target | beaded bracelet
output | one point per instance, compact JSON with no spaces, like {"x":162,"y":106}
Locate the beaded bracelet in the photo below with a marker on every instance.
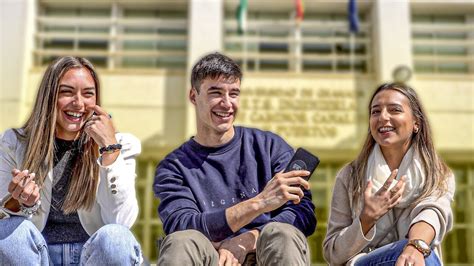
{"x":30,"y":210}
{"x":111,"y":148}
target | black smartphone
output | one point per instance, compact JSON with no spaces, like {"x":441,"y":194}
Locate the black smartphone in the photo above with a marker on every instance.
{"x":303,"y":160}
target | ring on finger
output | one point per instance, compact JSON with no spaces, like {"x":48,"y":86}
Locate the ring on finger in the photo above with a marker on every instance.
{"x":410,"y":263}
{"x":24,"y":181}
{"x":22,"y":197}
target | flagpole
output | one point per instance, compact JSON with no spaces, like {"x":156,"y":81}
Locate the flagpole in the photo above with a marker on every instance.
{"x":298,"y":47}
{"x":351,"y":49}
{"x":241,"y":29}
{"x":245,"y":47}
{"x":298,"y":42}
{"x":353,"y":29}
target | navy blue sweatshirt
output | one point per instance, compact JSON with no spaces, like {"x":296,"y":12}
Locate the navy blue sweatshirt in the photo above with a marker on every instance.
{"x":196,"y":184}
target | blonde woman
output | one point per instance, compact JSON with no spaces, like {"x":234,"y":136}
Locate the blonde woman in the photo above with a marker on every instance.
{"x":67,"y":179}
{"x":392,"y":205}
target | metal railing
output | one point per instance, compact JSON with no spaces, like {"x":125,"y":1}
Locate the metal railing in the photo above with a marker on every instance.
{"x":308,"y":46}
{"x":113,"y":41}
{"x":443,"y":47}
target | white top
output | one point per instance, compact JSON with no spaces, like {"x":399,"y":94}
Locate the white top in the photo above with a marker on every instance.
{"x":116,"y":205}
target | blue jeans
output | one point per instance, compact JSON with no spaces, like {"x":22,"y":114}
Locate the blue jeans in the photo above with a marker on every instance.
{"x":22,"y":244}
{"x":388,"y":255}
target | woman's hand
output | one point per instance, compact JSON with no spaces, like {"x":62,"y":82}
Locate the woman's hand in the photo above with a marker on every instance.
{"x":410,"y":257}
{"x":102,"y":130}
{"x":23,"y":188}
{"x":100,"y":127}
{"x":378,"y":204}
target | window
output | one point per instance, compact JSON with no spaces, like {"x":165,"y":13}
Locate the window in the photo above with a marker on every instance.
{"x":114,"y":34}
{"x":443,"y":44}
{"x":273,"y":41}
{"x":458,"y":245}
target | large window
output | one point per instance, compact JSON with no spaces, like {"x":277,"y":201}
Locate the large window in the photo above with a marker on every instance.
{"x":275,"y":41}
{"x":458,"y":246}
{"x":443,"y":43}
{"x":114,"y":34}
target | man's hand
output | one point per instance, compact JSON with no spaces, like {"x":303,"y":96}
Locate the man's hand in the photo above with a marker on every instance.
{"x":226,"y":258}
{"x":238,"y":247}
{"x":378,"y":204}
{"x":278,"y":191}
{"x":282,"y":188}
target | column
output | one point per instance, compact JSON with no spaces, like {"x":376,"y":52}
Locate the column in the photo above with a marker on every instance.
{"x":206,"y":22}
{"x":391,"y":37}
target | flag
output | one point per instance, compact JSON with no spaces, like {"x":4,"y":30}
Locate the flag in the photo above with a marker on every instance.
{"x":353,"y":17}
{"x":242,"y":16}
{"x":299,"y":10}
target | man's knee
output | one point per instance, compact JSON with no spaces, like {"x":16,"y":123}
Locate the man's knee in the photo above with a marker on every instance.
{"x":185,"y":238}
{"x":282,"y":231}
{"x":281,"y":236}
{"x":282,"y":244}
{"x":188,"y":247}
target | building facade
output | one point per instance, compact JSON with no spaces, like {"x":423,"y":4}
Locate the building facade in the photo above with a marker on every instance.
{"x":308,"y":80}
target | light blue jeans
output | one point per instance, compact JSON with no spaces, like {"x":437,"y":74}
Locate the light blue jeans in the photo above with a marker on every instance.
{"x":388,"y":255}
{"x":22,"y":244}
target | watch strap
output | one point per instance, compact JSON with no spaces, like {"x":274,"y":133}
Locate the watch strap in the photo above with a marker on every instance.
{"x":417,"y":243}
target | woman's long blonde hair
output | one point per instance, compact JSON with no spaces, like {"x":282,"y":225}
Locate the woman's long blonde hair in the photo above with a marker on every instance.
{"x":436,"y":170}
{"x":38,"y":133}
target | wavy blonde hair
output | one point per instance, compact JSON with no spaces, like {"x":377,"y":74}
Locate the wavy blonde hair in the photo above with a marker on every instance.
{"x":436,"y":170}
{"x":39,"y":132}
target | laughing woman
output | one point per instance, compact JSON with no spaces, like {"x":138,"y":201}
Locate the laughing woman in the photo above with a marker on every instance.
{"x":392,"y":204}
{"x":67,"y":179}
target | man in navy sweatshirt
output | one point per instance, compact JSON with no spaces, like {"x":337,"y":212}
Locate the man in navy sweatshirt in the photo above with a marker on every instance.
{"x":223,"y":192}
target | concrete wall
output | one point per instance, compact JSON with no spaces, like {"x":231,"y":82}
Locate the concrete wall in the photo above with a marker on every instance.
{"x":449,"y":103}
{"x":148,"y":104}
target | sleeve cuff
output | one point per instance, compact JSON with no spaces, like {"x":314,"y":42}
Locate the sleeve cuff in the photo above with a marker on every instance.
{"x":370,"y":235}
{"x":430,"y":217}
{"x":216,"y":225}
{"x":110,"y":166}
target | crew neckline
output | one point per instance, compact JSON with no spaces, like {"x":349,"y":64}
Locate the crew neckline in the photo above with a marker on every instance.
{"x":219,"y":149}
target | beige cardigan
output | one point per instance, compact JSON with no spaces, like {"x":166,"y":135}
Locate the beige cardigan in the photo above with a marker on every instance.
{"x":344,"y":238}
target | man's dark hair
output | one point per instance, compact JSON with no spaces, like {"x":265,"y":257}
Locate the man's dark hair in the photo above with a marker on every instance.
{"x":213,"y":66}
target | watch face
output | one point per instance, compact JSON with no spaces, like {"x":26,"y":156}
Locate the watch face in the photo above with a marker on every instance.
{"x":422,"y":244}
